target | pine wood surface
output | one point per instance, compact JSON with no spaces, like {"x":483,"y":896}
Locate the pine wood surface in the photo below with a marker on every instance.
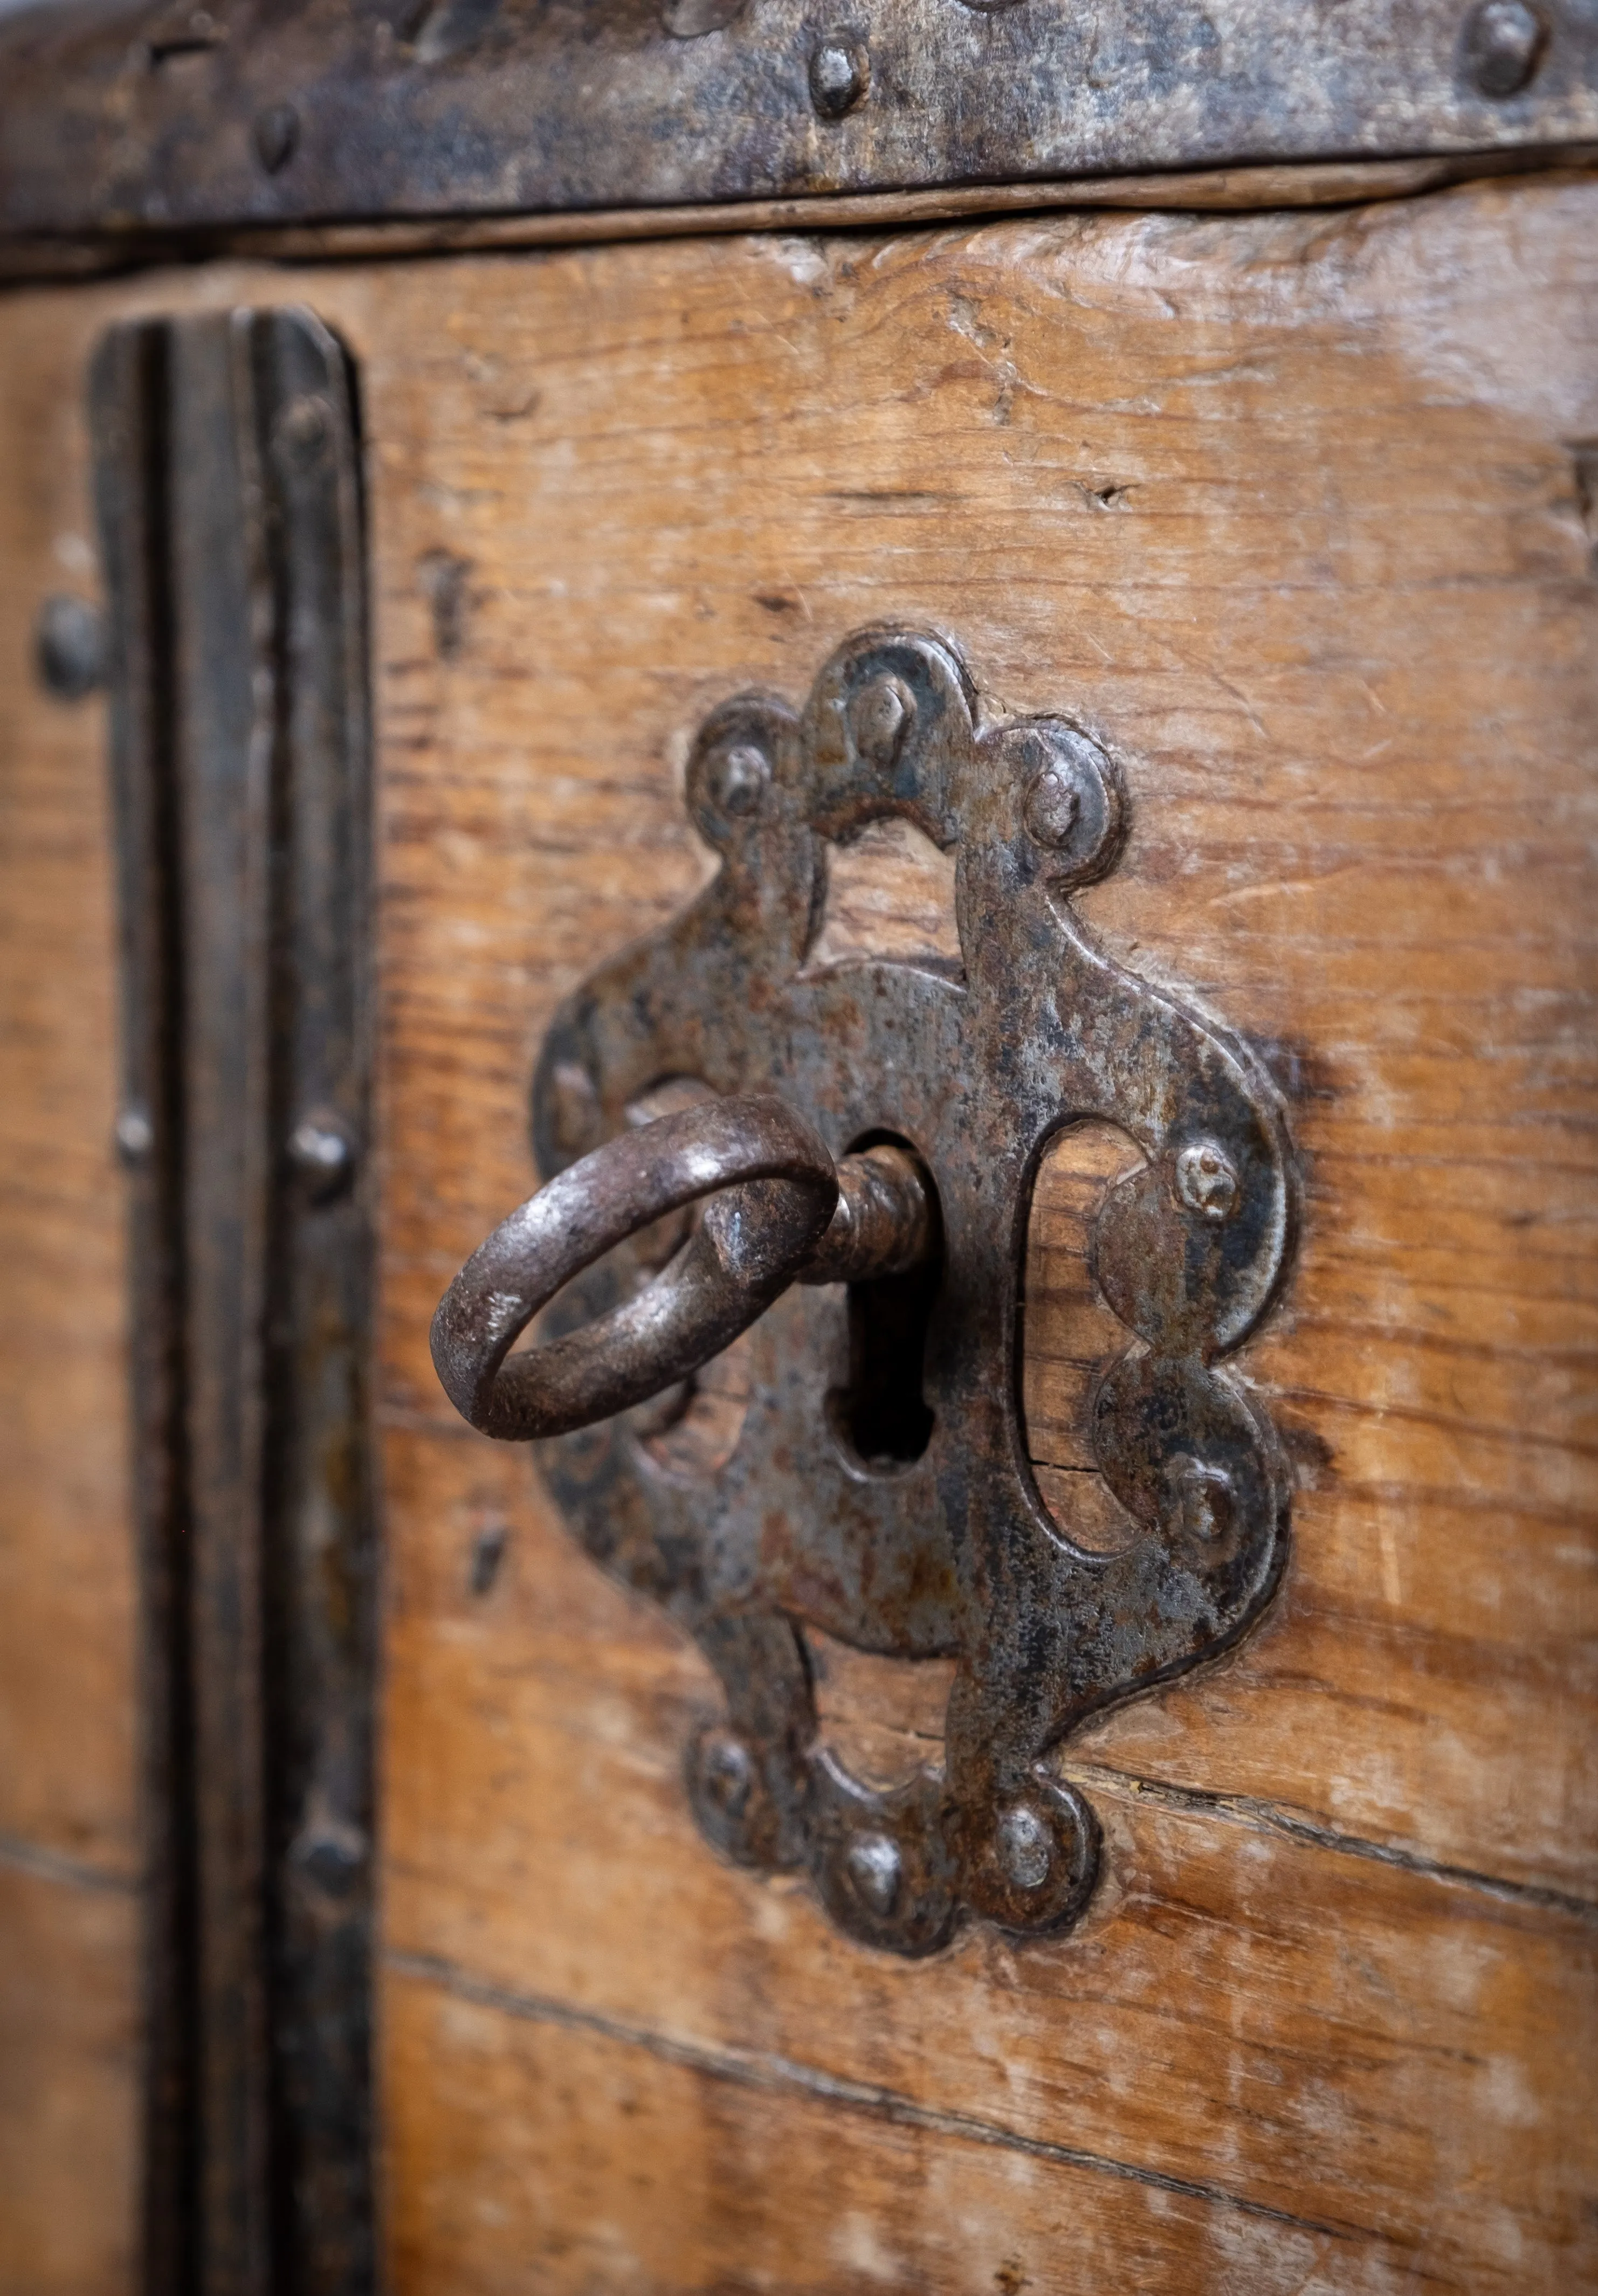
{"x":1291,"y":510}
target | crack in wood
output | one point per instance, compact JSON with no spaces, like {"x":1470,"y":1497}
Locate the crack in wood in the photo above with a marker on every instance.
{"x":1271,"y":1818}
{"x":786,"y":2074}
{"x":43,"y":1865}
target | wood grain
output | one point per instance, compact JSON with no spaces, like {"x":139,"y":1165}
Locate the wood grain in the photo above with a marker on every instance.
{"x":1287,"y":508}
{"x":66,"y":1765}
{"x":1293,"y":2026}
{"x":68,"y":1854}
{"x":1284,"y":511}
{"x":68,"y":2159}
{"x":695,"y":2173}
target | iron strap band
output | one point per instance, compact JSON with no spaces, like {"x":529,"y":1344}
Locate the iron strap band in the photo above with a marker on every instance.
{"x":138,"y":119}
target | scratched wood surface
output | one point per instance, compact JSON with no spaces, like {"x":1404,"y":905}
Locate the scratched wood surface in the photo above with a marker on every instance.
{"x":1299,"y":512}
{"x":68,"y":1855}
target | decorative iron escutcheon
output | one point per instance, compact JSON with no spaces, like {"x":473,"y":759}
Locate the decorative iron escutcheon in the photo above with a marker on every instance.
{"x":875,"y":1132}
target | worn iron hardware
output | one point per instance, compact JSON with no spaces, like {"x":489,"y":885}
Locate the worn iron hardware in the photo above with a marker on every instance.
{"x":229,"y":497}
{"x":69,"y":647}
{"x":879,"y":1487}
{"x":122,"y":120}
{"x":782,"y":1212}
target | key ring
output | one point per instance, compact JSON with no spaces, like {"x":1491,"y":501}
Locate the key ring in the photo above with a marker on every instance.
{"x":775,"y":1189}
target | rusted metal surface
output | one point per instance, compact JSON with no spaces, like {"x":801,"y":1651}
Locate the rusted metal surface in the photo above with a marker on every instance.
{"x":781,"y":1212}
{"x":159,"y":118}
{"x":230,"y":517}
{"x":69,"y":647}
{"x":880,"y":1488}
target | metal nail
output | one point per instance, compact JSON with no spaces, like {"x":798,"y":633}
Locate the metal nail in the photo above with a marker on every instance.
{"x":1025,"y":1847}
{"x":69,"y":647}
{"x":1053,"y":803}
{"x":1504,"y":45}
{"x":738,"y":780}
{"x":873,"y":1868}
{"x":1206,"y":1182}
{"x":276,"y":136}
{"x":840,"y":75}
{"x":727,"y":1772}
{"x":879,"y":715}
{"x":304,"y":425}
{"x":1074,"y":806}
{"x":1205,"y":1500}
{"x":135,"y":1136}
{"x":333,"y":1857}
{"x":323,"y":1153}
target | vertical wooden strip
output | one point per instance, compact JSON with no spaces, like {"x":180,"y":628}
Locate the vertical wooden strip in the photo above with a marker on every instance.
{"x":318,"y":1582}
{"x":128,"y":409}
{"x":223,"y":754}
{"x":231,"y":523}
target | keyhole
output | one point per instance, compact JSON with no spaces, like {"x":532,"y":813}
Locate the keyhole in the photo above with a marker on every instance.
{"x":881,"y":1416}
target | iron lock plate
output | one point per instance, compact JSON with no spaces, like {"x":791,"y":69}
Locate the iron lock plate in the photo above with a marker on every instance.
{"x":975,"y":1066}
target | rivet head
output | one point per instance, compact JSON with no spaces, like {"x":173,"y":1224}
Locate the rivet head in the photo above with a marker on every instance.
{"x":323,"y":1153}
{"x":276,"y":136}
{"x":69,"y":647}
{"x":1206,"y":1182}
{"x":135,"y":1136}
{"x":1026,"y":1846}
{"x":303,"y":425}
{"x":873,"y":1866}
{"x":879,"y":715}
{"x":1206,"y":1503}
{"x":1053,"y":804}
{"x":333,"y":1856}
{"x":840,"y":75}
{"x":738,"y":780}
{"x":1073,"y":807}
{"x":726,"y":1773}
{"x":1504,"y":45}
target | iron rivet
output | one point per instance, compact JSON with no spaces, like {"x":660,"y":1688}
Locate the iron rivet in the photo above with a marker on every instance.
{"x":70,"y":646}
{"x":727,"y":1774}
{"x":1053,"y":803}
{"x":1025,"y":1851}
{"x":1504,"y":42}
{"x":874,"y":1868}
{"x":738,"y":779}
{"x":1206,"y":1182}
{"x":134,"y":1135}
{"x":303,"y":424}
{"x":332,"y":1858}
{"x":276,"y":135}
{"x":840,"y":75}
{"x":880,"y":716}
{"x":1204,"y":1498}
{"x":1073,"y":804}
{"x":321,"y":1153}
